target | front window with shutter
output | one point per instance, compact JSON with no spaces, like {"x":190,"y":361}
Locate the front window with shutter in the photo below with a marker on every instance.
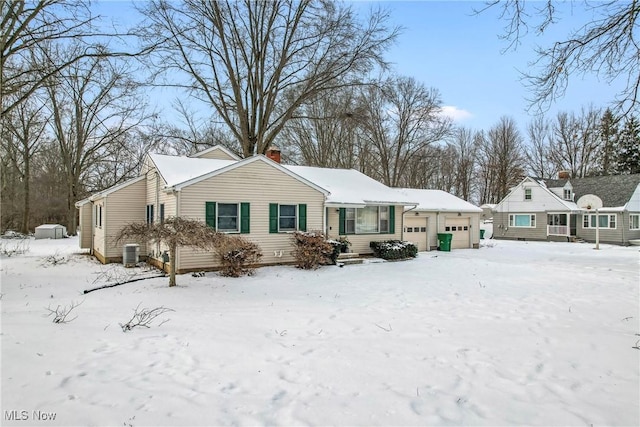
{"x":228,"y":217}
{"x":286,"y":218}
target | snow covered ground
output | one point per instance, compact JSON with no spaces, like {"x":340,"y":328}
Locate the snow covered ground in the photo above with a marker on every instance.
{"x":515,"y":333}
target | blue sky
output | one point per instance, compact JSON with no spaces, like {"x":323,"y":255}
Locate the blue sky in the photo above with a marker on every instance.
{"x":445,"y":45}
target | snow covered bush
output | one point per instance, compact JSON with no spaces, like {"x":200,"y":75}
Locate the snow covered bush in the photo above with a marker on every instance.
{"x":394,"y":249}
{"x":313,"y":250}
{"x":237,"y":256}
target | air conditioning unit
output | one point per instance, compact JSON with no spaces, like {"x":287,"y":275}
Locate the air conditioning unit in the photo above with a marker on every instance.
{"x":130,"y":254}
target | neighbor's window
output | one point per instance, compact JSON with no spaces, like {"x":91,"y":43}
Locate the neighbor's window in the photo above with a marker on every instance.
{"x":527,"y":194}
{"x":228,"y":217}
{"x":634,"y":222}
{"x":287,"y":218}
{"x":567,"y":194}
{"x":604,"y":221}
{"x":528,"y":220}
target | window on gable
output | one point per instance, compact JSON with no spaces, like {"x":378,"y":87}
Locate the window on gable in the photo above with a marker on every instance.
{"x":522,"y":220}
{"x":634,"y":222}
{"x":527,"y":194}
{"x":567,"y":194}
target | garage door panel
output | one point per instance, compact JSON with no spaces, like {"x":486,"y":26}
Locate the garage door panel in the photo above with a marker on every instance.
{"x":461,"y":231}
{"x":415,"y":230}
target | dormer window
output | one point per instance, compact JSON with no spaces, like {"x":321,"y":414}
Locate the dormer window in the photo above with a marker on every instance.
{"x":527,"y":194}
{"x":567,"y":194}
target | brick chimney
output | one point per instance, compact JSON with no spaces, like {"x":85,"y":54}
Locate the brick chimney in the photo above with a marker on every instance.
{"x":273,"y":153}
{"x":564,"y":175}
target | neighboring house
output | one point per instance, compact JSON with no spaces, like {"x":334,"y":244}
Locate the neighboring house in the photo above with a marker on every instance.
{"x":565,"y":209}
{"x":487,"y":211}
{"x":440,"y":212}
{"x":257,"y":198}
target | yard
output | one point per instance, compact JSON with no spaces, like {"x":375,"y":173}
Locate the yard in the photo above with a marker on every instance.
{"x":515,"y":333}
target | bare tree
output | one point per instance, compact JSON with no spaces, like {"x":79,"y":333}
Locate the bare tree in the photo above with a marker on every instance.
{"x":256,"y":63}
{"x":501,"y":163}
{"x":26,"y":125}
{"x":465,"y":145}
{"x":94,"y":104}
{"x":537,"y":152}
{"x":605,"y":45}
{"x":402,"y":119}
{"x":326,"y":132}
{"x":174,"y":232}
{"x":575,"y":142}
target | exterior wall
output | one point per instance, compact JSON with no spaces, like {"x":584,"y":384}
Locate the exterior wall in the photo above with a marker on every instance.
{"x":541,"y":200}
{"x":86,"y":222}
{"x":360,"y":242}
{"x":123,"y":207}
{"x":632,"y":234}
{"x":99,"y":247}
{"x":436,"y":224}
{"x":155,"y":195}
{"x":618,"y":235}
{"x":216,"y":154}
{"x":501,"y":229}
{"x":259,"y":184}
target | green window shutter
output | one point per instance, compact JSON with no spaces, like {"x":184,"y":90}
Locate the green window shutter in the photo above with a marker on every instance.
{"x":210,"y":214}
{"x":341,"y":219}
{"x":273,"y":217}
{"x":244,"y":218}
{"x":302,"y":217}
{"x":392,"y":219}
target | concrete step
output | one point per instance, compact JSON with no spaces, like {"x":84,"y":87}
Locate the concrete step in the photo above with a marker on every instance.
{"x":348,"y":255}
{"x":350,"y":261}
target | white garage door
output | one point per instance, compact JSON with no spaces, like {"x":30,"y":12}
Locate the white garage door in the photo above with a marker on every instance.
{"x":415,"y":230}
{"x":460,"y":229}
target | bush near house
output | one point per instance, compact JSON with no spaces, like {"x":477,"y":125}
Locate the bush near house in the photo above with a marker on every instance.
{"x":313,"y":250}
{"x":237,"y":256}
{"x":394,"y":249}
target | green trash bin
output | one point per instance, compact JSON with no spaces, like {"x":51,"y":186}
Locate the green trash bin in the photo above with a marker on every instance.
{"x":444,"y":240}
{"x":481,"y":234}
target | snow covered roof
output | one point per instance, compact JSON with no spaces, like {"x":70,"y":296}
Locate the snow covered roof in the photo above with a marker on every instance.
{"x":178,"y":169}
{"x":350,"y":188}
{"x":437,"y":200}
{"x":49,"y":226}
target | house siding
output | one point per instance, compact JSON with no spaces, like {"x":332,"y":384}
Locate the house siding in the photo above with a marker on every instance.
{"x":501,"y":229}
{"x":86,"y":223}
{"x":123,"y":207}
{"x":360,"y":242}
{"x":618,"y":235}
{"x":259,"y":184}
{"x":216,"y":154}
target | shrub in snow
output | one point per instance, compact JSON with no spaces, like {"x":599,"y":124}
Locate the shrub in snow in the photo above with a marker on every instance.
{"x":394,"y":249}
{"x":313,"y":250}
{"x":13,"y":245}
{"x":144,"y":317}
{"x":237,"y":256}
{"x":60,"y":313}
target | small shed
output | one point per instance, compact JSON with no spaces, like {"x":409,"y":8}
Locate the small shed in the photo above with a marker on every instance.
{"x":51,"y":231}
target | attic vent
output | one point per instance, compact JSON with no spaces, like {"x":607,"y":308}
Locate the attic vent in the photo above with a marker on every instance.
{"x":130,"y":254}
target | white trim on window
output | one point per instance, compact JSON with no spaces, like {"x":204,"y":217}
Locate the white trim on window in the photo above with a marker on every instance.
{"x":288,"y":217}
{"x":219,"y":205}
{"x":522,"y":220}
{"x":634,"y":222}
{"x":607,"y":221}
{"x":528,"y":194}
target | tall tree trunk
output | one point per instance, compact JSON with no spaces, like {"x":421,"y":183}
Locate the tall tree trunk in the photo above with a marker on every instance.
{"x":27,"y":178}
